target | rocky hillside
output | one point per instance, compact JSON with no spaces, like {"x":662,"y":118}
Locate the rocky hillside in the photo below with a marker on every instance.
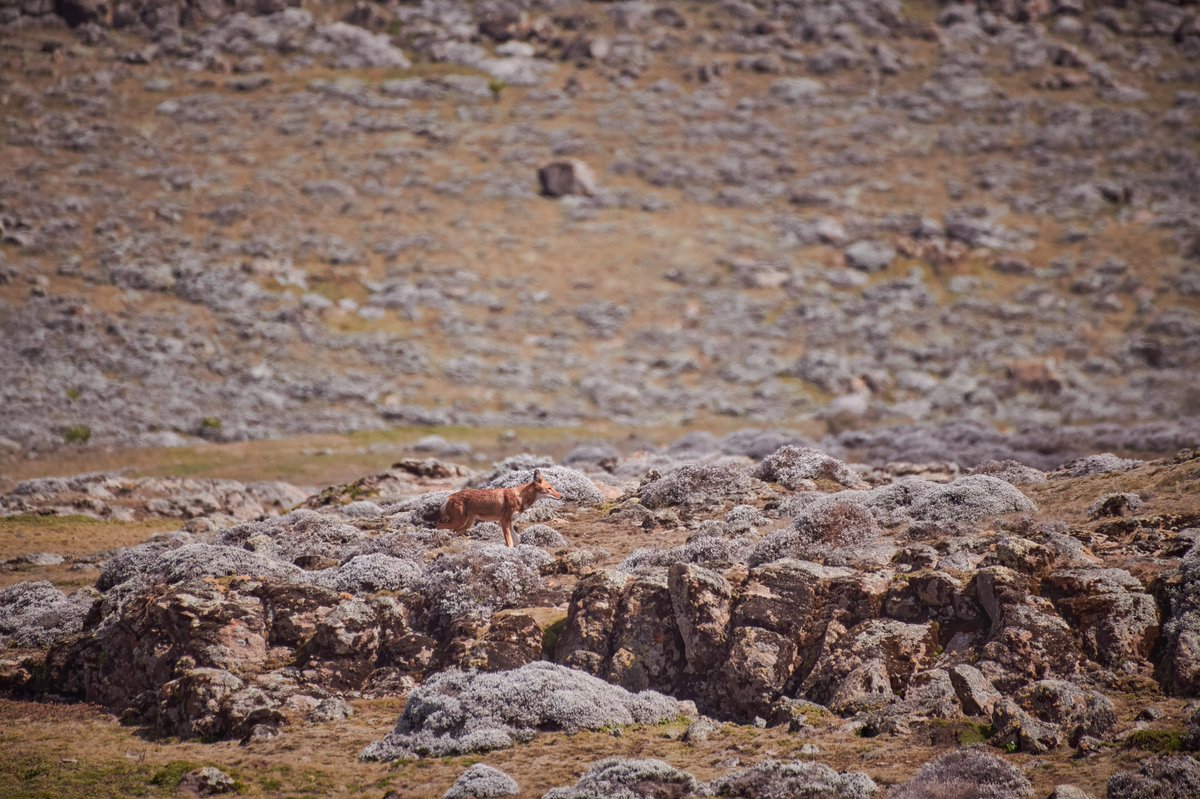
{"x":861,"y":339}
{"x":770,"y":620}
{"x":230,"y":220}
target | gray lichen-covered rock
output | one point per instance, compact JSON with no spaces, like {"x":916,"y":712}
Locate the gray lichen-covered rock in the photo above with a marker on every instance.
{"x":797,"y":467}
{"x":647,"y":650}
{"x":541,"y":535}
{"x":457,"y":713}
{"x":369,"y":573}
{"x":1028,"y":639}
{"x":772,"y":779}
{"x":975,"y":692}
{"x":970,"y":499}
{"x":1117,"y":620}
{"x":697,"y":485}
{"x":756,"y":668}
{"x":1171,"y":777}
{"x":1021,"y":731}
{"x":966,"y":774}
{"x":586,"y":641}
{"x":819,"y":531}
{"x":206,"y":781}
{"x":475,"y":583}
{"x":1069,"y":792}
{"x":870,"y":256}
{"x":1011,"y":471}
{"x":701,"y":600}
{"x":1179,"y":665}
{"x":869,"y":662}
{"x":481,"y":781}
{"x":35,"y":615}
{"x":575,"y":486}
{"x":1120,"y":504}
{"x":624,"y":778}
{"x":1079,"y":711}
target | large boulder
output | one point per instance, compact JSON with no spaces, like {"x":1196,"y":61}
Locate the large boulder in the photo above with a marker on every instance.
{"x":756,"y":669}
{"x":1179,"y":665}
{"x":1116,"y":619}
{"x":36,"y":614}
{"x":1173,"y":777}
{"x":1027,"y":639}
{"x":210,"y":625}
{"x":975,"y":692}
{"x":870,"y":661}
{"x":702,"y":602}
{"x":456,"y":712}
{"x":647,"y":650}
{"x":966,"y":774}
{"x":586,"y":640}
{"x":1050,"y":713}
{"x":772,"y":778}
{"x":630,"y":779}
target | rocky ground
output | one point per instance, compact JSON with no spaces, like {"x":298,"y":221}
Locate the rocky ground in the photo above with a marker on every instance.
{"x":225,"y":222}
{"x":860,"y":338}
{"x":719,"y":622}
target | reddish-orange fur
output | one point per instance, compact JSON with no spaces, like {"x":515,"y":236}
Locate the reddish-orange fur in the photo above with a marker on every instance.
{"x":463,"y":508}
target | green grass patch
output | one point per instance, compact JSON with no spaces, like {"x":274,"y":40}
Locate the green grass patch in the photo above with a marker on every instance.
{"x":963,"y":732}
{"x":32,"y":776}
{"x":975,"y":734}
{"x":270,"y":783}
{"x":1159,"y":741}
{"x":77,"y":434}
{"x":170,"y":775}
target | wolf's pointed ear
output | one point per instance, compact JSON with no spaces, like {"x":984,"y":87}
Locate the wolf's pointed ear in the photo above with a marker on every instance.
{"x":537,"y":475}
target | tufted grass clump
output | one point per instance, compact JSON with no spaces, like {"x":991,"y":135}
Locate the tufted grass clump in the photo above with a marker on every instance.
{"x":77,"y":434}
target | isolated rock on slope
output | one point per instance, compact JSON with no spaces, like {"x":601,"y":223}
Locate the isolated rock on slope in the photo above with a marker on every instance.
{"x":563,"y":178}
